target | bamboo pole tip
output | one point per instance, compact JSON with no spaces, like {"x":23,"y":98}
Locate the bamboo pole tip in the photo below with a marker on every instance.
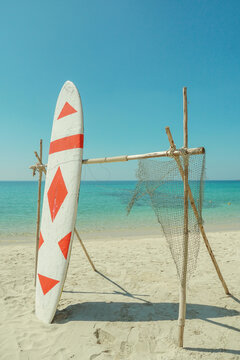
{"x":180,"y":336}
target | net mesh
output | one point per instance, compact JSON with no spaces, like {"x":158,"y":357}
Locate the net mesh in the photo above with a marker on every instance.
{"x":161,"y":182}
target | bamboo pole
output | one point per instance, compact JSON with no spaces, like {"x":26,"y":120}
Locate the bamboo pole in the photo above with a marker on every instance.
{"x":38,"y":213}
{"x":121,"y":158}
{"x":185,"y":121}
{"x":194,"y":151}
{"x":84,"y":249}
{"x":195,"y":211}
{"x":183,"y":280}
{"x":75,"y":230}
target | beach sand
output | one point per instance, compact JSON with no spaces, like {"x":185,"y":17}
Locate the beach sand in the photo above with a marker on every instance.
{"x":129,"y":309}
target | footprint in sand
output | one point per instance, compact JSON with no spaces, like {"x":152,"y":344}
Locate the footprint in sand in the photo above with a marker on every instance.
{"x":103,"y":337}
{"x":125,"y":350}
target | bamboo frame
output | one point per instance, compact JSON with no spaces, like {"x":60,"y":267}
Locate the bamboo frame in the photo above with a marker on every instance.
{"x":175,"y":153}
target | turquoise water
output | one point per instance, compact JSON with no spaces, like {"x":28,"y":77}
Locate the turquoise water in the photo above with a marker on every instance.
{"x":102,"y":207}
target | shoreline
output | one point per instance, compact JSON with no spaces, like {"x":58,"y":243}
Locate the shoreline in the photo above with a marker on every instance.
{"x":117,"y":234}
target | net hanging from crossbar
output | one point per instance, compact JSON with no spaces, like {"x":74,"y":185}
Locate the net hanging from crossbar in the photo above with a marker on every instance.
{"x":161,"y":183}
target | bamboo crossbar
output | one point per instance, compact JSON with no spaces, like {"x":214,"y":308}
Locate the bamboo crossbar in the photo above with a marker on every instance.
{"x":194,"y":151}
{"x":121,"y":158}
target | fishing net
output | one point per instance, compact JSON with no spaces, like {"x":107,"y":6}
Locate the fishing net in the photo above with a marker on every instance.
{"x":162,"y":184}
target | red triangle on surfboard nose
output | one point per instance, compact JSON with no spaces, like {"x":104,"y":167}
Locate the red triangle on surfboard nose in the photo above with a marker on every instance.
{"x":66,"y":110}
{"x":47,"y":283}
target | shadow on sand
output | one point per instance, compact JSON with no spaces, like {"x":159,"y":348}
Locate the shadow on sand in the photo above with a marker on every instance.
{"x":207,"y":350}
{"x":145,"y":311}
{"x":135,"y":311}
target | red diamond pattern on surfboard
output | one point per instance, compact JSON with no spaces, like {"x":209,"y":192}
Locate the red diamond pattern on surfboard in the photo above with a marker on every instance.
{"x":66,"y":110}
{"x":47,"y":283}
{"x":56,"y":193}
{"x":41,"y":241}
{"x":64,"y":244}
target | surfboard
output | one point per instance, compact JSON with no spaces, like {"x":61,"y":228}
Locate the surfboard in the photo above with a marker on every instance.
{"x":60,"y":201}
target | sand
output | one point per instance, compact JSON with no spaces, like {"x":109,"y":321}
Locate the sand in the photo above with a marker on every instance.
{"x":126,"y":311}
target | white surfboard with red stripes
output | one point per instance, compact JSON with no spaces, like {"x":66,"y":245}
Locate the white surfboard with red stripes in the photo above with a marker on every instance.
{"x":60,"y":201}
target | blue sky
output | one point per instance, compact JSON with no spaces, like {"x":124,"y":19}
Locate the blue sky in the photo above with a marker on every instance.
{"x":130,"y":60}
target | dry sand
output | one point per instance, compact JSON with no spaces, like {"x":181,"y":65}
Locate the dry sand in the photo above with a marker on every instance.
{"x":126,"y":311}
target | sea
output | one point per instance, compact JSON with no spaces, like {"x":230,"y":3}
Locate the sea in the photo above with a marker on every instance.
{"x":103,"y":207}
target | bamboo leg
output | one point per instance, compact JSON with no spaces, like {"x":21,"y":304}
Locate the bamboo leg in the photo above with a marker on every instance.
{"x":75,"y":230}
{"x":183,"y":280}
{"x":38,"y":214}
{"x":192,"y":202}
{"x":84,"y":249}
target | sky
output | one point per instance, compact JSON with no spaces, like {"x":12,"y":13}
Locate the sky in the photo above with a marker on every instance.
{"x":130,"y":60}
